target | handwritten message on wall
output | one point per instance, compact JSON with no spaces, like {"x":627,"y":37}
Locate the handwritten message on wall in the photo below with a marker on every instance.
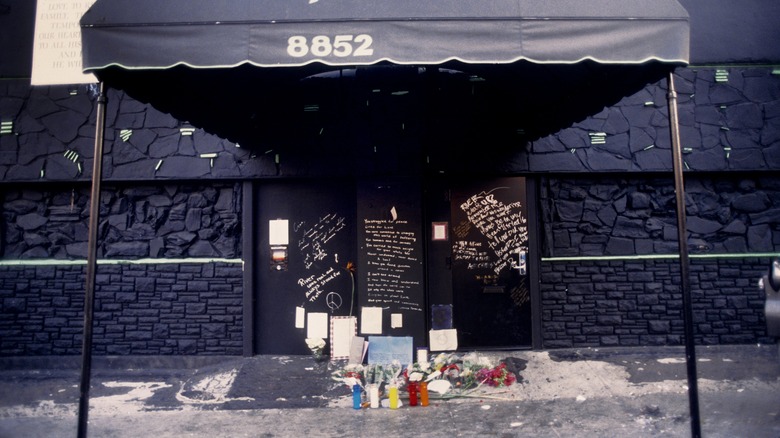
{"x":314,"y":285}
{"x":313,"y":238}
{"x":503,"y":225}
{"x":391,"y":255}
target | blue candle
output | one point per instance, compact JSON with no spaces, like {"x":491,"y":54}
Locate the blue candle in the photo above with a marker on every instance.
{"x":356,"y":401}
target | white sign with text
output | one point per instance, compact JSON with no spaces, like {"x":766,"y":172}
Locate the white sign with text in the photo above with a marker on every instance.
{"x":57,"y":47}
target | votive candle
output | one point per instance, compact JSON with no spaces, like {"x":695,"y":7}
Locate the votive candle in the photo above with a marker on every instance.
{"x":373,"y":395}
{"x":356,"y":399}
{"x":393,"y":394}
{"x":424,"y":393}
{"x":412,"y":393}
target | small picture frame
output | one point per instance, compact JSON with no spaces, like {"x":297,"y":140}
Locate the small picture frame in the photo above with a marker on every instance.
{"x":439,"y":231}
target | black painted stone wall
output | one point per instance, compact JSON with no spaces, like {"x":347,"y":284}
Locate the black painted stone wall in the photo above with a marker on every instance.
{"x":730,"y":120}
{"x":138,"y":221}
{"x":149,"y":309}
{"x":629,"y":303}
{"x":729,"y":117}
{"x":597,"y":216}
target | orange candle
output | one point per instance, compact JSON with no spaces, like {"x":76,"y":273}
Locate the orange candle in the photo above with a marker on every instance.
{"x":424,"y":393}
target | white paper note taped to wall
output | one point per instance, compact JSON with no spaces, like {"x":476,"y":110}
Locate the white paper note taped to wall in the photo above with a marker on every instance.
{"x":371,"y":320}
{"x":317,"y":325}
{"x":396,"y":320}
{"x":279,"y":232}
{"x":300,"y":317}
{"x":443,"y":340}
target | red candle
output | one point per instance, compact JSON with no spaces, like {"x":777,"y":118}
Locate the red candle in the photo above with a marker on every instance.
{"x":412,"y":388}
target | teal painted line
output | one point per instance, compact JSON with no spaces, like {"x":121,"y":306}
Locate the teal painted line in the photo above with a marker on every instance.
{"x":661,"y":257}
{"x":55,"y":262}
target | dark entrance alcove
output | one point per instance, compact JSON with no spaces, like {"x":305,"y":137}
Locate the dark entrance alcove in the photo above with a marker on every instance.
{"x":262,"y":107}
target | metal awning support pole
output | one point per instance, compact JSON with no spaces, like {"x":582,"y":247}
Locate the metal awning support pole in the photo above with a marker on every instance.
{"x":89,"y":294}
{"x":682,"y":238}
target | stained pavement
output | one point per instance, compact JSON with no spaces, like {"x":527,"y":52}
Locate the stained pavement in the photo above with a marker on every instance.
{"x":573,"y":392}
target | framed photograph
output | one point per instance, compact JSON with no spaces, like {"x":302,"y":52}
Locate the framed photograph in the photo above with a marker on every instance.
{"x":439,"y":231}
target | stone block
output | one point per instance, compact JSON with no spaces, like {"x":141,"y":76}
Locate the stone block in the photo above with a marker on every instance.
{"x":698,"y":225}
{"x":738,"y":302}
{"x":184,"y":167}
{"x":192,"y":221}
{"x":610,"y":341}
{"x":554,"y":295}
{"x":631,"y":228}
{"x":118,"y":349}
{"x":581,"y":289}
{"x":14,"y":305}
{"x":744,"y":116}
{"x":145,"y":284}
{"x":759,"y":238}
{"x":126,"y":297}
{"x":598,"y":330}
{"x":751,"y":202}
{"x":31,"y":221}
{"x":609,"y":320}
{"x":138,"y":335}
{"x":563,"y":343}
{"x":214,"y":330}
{"x":187,"y":346}
{"x":160,"y":331}
{"x":771,"y":216}
{"x":647,"y":299}
{"x":196,"y":308}
{"x":127,"y":249}
{"x":181,"y":238}
{"x":659,"y":326}
{"x":202,"y":248}
{"x":606,"y":304}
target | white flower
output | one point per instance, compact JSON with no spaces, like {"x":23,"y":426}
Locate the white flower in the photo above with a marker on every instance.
{"x":441,"y":358}
{"x":478,"y":359}
{"x":415,"y":377}
{"x":315,"y":343}
{"x":358,"y":368}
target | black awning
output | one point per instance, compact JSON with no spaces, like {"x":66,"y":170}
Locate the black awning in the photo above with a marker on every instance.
{"x":240,"y":68}
{"x":161,"y":34}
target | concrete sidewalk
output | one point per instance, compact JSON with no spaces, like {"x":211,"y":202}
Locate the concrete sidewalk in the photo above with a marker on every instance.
{"x":584,"y":392}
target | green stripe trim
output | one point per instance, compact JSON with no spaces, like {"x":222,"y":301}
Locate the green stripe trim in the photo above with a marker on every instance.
{"x":55,"y":262}
{"x":661,"y":257}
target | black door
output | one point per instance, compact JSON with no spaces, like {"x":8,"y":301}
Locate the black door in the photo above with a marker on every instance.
{"x":321,"y":230}
{"x":489,"y":259}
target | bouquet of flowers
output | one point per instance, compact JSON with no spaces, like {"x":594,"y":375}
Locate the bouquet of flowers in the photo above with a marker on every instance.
{"x":448,"y":375}
{"x":497,"y":376}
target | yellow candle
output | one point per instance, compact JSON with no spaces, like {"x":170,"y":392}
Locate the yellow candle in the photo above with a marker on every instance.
{"x":393,"y":397}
